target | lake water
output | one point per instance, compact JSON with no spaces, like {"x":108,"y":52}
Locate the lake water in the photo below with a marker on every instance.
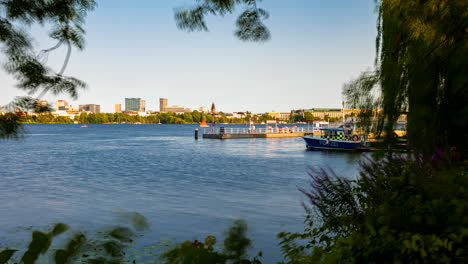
{"x":186,"y":188}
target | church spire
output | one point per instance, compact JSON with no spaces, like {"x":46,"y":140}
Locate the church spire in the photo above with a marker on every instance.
{"x":213,"y":108}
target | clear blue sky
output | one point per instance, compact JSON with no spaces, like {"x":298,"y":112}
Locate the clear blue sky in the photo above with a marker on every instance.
{"x":134,"y":49}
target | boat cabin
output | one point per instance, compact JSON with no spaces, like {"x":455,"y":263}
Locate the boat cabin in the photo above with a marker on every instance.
{"x":336,"y":134}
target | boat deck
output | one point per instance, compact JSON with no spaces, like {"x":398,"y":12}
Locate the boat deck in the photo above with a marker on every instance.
{"x":232,"y":133}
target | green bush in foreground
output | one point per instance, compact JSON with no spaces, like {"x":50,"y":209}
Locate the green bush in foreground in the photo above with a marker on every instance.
{"x":236,"y":244}
{"x":401,"y":210}
{"x":111,"y":247}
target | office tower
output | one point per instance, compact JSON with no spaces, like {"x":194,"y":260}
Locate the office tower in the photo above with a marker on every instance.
{"x":93,"y":108}
{"x":132,"y":104}
{"x":118,"y":108}
{"x":162,"y":105}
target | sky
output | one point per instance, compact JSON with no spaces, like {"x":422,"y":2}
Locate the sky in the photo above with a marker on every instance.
{"x":134,"y":49}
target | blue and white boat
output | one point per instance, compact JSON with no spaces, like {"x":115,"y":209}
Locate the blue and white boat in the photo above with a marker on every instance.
{"x":337,"y":139}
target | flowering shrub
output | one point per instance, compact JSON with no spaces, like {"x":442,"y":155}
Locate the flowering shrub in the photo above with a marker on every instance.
{"x":401,"y":210}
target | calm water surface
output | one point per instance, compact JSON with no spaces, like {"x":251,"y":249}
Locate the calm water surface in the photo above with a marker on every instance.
{"x":186,"y":188}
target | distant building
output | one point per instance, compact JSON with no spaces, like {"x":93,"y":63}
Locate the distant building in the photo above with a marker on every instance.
{"x":163,"y":105}
{"x":324,"y":113}
{"x":178,"y":109}
{"x":93,"y":108}
{"x":280,"y":115}
{"x":61,"y":105}
{"x":175,"y":109}
{"x":118,"y":108}
{"x":213,"y":108}
{"x":239,"y":114}
{"x":203,"y":109}
{"x":134,"y":104}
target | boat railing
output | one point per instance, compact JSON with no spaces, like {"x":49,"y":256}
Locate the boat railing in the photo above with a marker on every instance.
{"x":276,"y":130}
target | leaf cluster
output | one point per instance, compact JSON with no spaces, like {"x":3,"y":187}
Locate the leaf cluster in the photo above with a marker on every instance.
{"x":65,"y":17}
{"x":421,"y":69}
{"x":24,"y":63}
{"x":235,"y":243}
{"x":249,"y":24}
{"x":108,"y":247}
{"x":401,"y":210}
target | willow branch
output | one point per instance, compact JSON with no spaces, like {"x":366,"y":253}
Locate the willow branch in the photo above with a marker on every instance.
{"x":62,"y":70}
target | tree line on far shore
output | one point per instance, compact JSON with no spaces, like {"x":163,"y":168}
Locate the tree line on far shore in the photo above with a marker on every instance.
{"x":194,"y":117}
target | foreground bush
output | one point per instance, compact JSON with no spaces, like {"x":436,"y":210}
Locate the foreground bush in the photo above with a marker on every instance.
{"x":111,"y":247}
{"x":401,"y":210}
{"x":234,"y":249}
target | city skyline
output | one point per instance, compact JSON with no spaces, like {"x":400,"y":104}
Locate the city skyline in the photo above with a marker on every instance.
{"x":139,"y":105}
{"x":315,"y":48}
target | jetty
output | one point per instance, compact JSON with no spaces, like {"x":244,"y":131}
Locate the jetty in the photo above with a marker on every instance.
{"x":272,"y":132}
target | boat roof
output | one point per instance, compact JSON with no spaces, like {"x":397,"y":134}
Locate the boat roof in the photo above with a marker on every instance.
{"x":333,"y":129}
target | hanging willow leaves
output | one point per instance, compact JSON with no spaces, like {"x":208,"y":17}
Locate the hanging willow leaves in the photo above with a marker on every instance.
{"x":421,"y":67}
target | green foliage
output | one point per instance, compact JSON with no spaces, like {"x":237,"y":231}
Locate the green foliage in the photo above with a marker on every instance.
{"x":421,"y":68}
{"x":193,"y":253}
{"x":6,"y":254}
{"x":310,"y":116}
{"x":296,"y":118}
{"x":249,"y":24}
{"x":73,"y":248}
{"x":235,"y":243}
{"x":399,"y":211}
{"x":10,"y":128}
{"x":111,"y":246}
{"x":66,"y":19}
{"x":41,"y":242}
{"x":108,"y":246}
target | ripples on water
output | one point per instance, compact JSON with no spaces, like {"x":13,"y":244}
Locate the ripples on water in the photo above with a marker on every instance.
{"x":186,"y":188}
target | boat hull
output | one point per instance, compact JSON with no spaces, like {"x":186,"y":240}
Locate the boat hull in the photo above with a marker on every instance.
{"x":322,"y":143}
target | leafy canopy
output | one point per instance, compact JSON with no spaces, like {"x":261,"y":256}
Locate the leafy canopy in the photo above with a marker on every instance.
{"x":249,"y":24}
{"x":421,"y":68}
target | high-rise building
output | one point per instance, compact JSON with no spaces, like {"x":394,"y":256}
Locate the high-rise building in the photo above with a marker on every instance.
{"x":118,"y":108}
{"x":142,"y":106}
{"x":213,"y":108}
{"x":61,"y":105}
{"x":162,"y":105}
{"x":93,"y":108}
{"x":134,"y":104}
